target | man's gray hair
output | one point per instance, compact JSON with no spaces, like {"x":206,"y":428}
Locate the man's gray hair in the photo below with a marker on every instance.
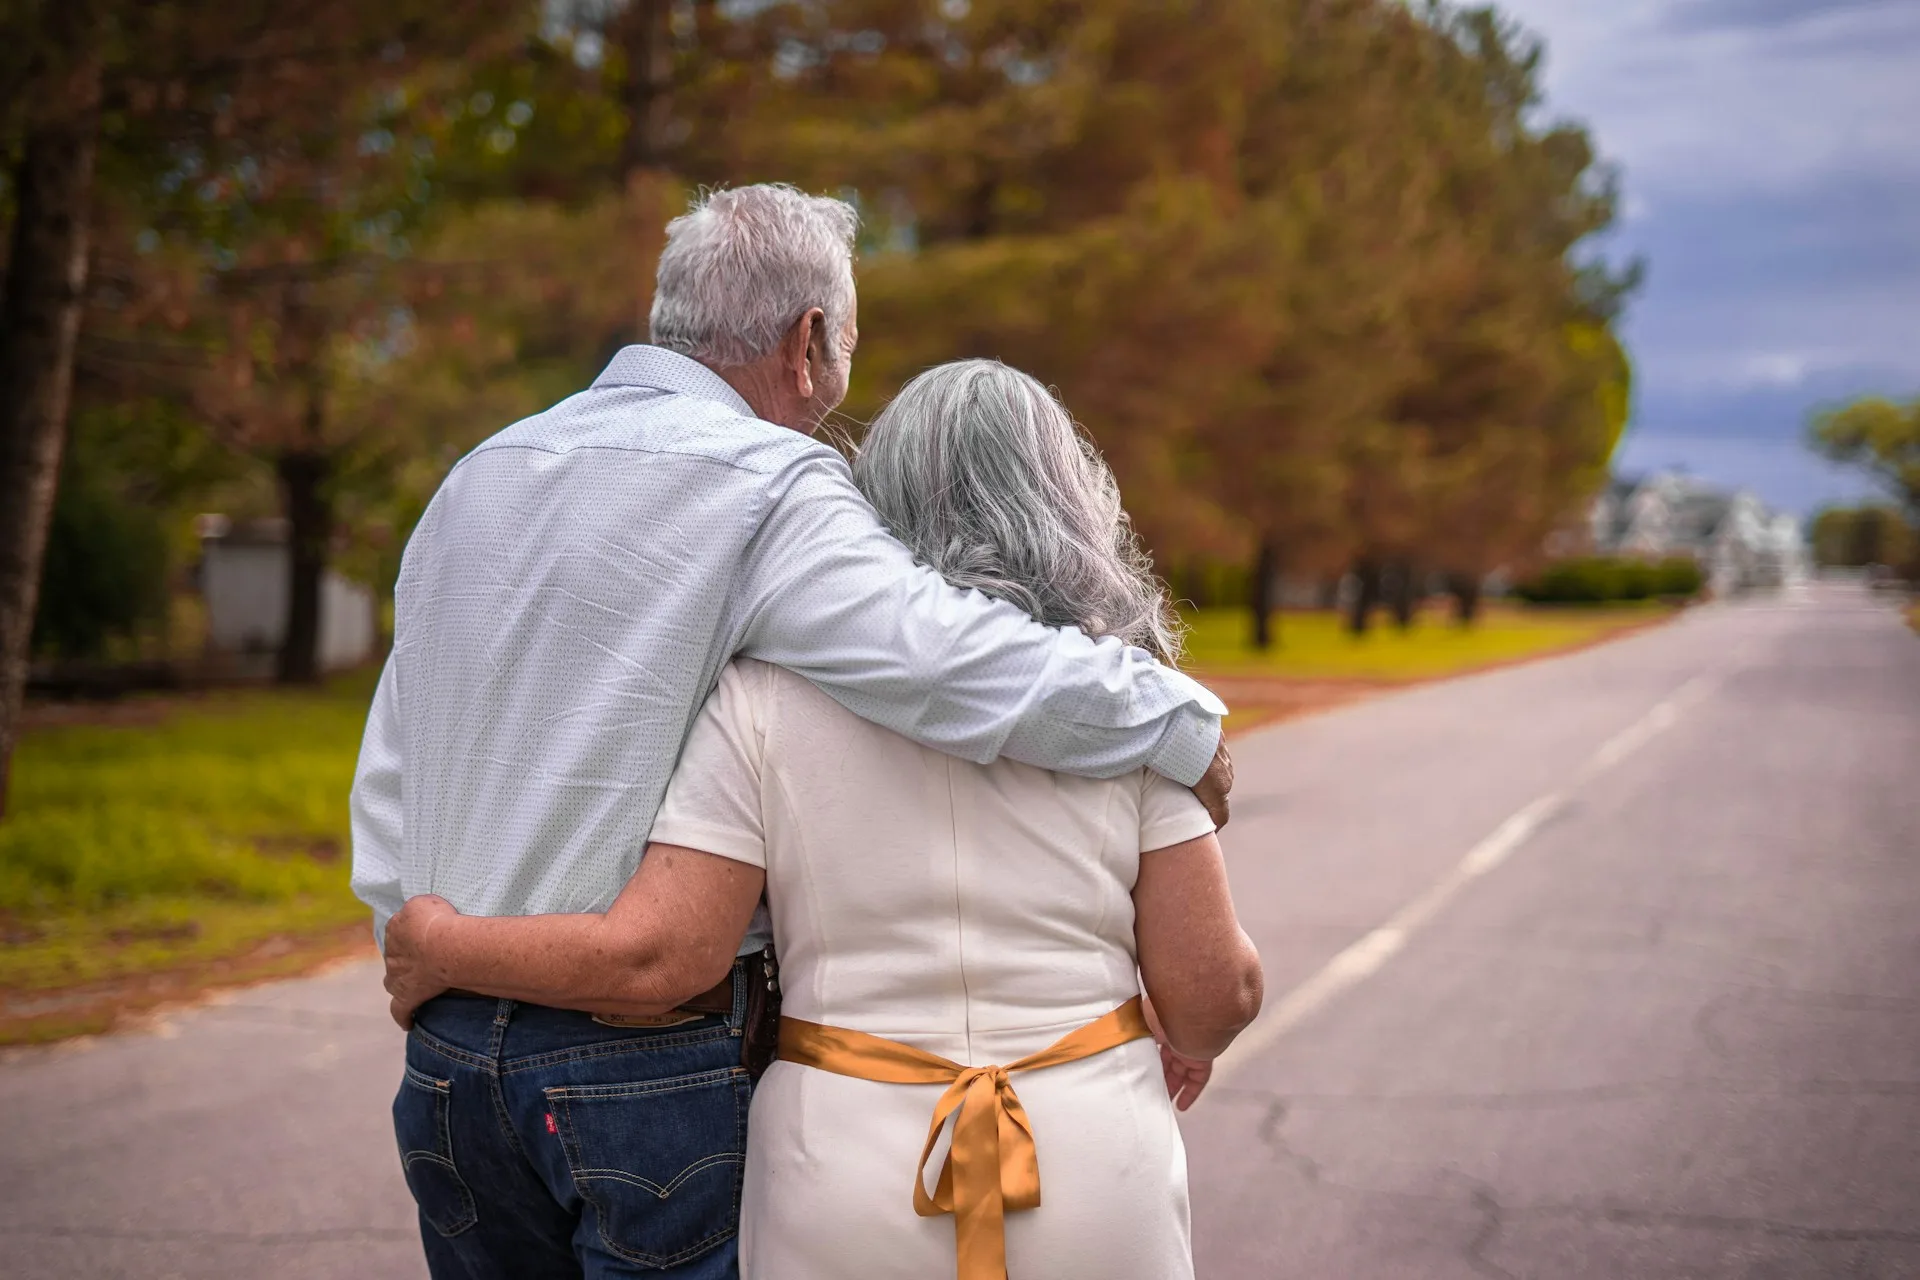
{"x":742,"y":264}
{"x":984,"y":476}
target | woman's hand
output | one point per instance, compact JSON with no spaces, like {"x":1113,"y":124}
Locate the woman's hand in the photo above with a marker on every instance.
{"x":1186,"y":1077}
{"x":412,"y":976}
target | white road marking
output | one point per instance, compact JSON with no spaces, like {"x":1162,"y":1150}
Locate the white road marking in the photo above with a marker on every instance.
{"x":1364,"y":958}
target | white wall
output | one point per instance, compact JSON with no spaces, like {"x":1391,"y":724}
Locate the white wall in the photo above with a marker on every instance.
{"x":245,"y":587}
{"x":346,"y":623}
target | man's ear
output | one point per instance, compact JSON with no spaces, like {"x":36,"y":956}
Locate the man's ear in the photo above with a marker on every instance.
{"x":804,"y":349}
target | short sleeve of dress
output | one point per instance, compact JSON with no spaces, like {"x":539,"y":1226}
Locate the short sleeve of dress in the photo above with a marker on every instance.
{"x":713,"y":800}
{"x":1169,"y":814}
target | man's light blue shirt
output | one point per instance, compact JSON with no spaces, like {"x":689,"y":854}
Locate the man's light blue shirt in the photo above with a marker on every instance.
{"x":574,"y":589}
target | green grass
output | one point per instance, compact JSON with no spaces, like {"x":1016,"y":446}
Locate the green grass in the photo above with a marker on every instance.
{"x":1316,"y":646}
{"x":134,"y":848}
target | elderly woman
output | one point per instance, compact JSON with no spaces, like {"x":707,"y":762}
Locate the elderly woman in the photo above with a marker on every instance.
{"x":963,"y":947}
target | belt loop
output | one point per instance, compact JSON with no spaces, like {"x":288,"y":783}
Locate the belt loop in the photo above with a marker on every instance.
{"x":496,"y":1041}
{"x":742,"y":984}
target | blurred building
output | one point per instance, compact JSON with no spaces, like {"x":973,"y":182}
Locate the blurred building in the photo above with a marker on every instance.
{"x":244,"y":575}
{"x":1738,"y":542}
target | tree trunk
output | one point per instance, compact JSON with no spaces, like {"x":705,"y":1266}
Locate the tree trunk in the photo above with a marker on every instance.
{"x":644,"y":34}
{"x":1366,"y":574}
{"x":303,"y":478}
{"x":1403,"y":595}
{"x":1265,"y":569}
{"x":1466,"y":598}
{"x":646,"y":39}
{"x":39,"y":325}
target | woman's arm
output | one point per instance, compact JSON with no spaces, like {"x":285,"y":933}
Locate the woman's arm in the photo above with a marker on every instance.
{"x":672,"y":933}
{"x":1201,"y":972}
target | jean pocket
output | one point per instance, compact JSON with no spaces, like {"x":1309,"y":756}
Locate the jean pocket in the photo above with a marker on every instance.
{"x":660,"y":1161}
{"x":422,"y":1123}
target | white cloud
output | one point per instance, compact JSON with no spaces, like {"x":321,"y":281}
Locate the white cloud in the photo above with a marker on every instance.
{"x":1775,"y":369}
{"x":1721,"y":97}
{"x":1770,"y":156}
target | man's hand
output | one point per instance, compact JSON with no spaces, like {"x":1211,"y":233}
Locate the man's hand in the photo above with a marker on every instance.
{"x":412,"y":977}
{"x":1214,"y":785}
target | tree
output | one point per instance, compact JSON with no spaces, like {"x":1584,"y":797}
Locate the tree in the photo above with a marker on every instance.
{"x":123,"y":88}
{"x":1303,"y":268}
{"x":40,"y":316}
{"x":261,"y":225}
{"x":1856,"y":537}
{"x":1880,"y":436}
{"x":1314,"y":454}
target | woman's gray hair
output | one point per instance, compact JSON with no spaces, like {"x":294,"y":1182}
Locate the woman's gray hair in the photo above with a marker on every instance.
{"x":742,"y":264}
{"x":984,"y":476}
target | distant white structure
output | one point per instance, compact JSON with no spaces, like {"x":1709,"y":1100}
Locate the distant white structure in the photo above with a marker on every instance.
{"x":1739,"y":544}
{"x":244,"y":576}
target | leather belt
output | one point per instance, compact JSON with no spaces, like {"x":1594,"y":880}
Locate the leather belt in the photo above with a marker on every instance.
{"x":763,"y":1012}
{"x":715,"y":999}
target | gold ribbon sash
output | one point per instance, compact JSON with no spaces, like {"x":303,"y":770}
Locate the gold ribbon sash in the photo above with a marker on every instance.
{"x":991,"y":1169}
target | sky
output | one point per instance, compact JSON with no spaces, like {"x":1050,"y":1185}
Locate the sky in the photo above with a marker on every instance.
{"x":1769,"y":157}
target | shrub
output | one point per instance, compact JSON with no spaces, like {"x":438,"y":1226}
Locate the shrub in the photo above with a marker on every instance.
{"x":1579,"y":581}
{"x":1605,"y":579}
{"x":105,"y":574}
{"x":1636,"y":580}
{"x":1678,"y":577}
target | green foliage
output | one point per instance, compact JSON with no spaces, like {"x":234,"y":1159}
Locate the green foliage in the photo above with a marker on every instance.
{"x":1855,"y":537}
{"x":1678,"y":578}
{"x":105,"y":573}
{"x":1880,"y":436}
{"x":1608,"y":579}
{"x":1311,"y":273}
{"x":134,"y":475}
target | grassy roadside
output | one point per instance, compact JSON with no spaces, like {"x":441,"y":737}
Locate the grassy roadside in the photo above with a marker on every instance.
{"x":1314,"y":664}
{"x":208,"y":838}
{"x":155,"y":849}
{"x":1316,"y":646}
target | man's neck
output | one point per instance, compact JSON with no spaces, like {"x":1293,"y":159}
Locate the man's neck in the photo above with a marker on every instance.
{"x":759,"y":385}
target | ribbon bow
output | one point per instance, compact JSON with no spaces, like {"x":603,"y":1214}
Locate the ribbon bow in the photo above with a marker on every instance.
{"x":991,"y":1167}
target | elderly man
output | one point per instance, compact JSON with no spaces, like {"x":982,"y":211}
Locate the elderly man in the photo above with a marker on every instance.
{"x":564,"y":608}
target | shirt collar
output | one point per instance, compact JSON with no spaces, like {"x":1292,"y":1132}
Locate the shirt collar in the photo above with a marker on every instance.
{"x":663,"y":370}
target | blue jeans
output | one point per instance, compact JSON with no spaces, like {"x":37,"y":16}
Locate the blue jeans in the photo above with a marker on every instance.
{"x":540,"y":1143}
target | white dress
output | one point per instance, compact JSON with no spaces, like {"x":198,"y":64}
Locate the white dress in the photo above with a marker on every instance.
{"x":976,"y":912}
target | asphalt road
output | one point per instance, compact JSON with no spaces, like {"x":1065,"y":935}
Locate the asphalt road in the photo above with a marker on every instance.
{"x":1605,"y":966}
{"x":1608,"y":966}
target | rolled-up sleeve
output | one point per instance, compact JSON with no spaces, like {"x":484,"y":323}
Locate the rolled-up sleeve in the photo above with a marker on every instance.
{"x":828,"y":593}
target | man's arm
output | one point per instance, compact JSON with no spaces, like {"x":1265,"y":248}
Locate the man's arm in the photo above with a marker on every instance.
{"x":832,"y":596}
{"x":673,"y":931}
{"x":671,"y":934}
{"x":375,"y":807}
